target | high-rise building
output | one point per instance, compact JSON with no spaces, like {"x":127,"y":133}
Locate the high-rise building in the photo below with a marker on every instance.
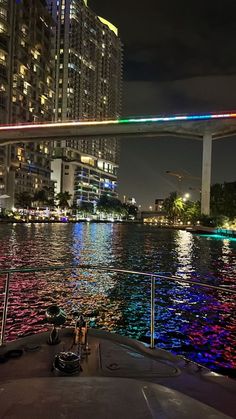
{"x":26,"y":92}
{"x":88,"y":73}
{"x":4,"y":84}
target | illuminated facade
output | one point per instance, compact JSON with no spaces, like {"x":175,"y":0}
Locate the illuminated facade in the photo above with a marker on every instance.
{"x":4,"y":85}
{"x":26,"y":92}
{"x":88,"y":84}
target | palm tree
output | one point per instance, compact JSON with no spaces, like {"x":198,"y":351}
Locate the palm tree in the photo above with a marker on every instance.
{"x":63,"y":198}
{"x":178,"y":206}
{"x":174,"y":206}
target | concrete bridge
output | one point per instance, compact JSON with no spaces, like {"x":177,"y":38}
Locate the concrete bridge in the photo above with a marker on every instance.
{"x":205,"y":128}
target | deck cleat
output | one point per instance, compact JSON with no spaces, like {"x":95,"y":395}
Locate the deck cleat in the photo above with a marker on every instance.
{"x":57,"y":317}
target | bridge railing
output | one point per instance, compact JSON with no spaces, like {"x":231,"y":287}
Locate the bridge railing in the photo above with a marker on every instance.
{"x":153,"y":277}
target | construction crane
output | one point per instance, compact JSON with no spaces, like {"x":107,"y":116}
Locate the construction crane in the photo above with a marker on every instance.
{"x":182,"y":175}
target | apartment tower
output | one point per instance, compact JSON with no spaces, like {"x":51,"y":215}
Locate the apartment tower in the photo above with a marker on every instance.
{"x":88,"y":68}
{"x":26,"y":92}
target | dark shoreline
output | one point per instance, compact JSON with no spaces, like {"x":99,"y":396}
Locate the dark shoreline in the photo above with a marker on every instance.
{"x":67,"y":222}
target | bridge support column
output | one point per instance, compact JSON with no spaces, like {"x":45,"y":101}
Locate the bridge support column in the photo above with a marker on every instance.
{"x":206,"y":173}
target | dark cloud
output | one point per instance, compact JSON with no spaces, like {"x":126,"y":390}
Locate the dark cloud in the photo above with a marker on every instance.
{"x":174,"y":39}
{"x":197,"y":94}
{"x":179,"y":57}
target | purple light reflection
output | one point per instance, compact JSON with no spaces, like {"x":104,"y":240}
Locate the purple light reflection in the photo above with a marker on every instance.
{"x":191,"y":321}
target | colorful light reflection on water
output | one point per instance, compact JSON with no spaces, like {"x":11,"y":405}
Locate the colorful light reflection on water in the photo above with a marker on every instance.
{"x":199,"y":323}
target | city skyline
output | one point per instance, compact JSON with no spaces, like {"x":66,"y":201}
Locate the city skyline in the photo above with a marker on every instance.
{"x":167,"y":70}
{"x":59,"y":61}
{"x":117,"y":209}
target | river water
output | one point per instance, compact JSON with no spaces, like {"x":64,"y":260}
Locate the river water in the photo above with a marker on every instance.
{"x":198,"y":323}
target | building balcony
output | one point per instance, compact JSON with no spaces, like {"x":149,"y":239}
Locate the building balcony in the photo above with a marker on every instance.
{"x":3,"y":43}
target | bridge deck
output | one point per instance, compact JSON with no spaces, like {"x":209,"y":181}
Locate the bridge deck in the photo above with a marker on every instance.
{"x":219,"y":127}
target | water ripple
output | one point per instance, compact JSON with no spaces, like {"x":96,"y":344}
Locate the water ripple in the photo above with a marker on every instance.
{"x":199,"y":323}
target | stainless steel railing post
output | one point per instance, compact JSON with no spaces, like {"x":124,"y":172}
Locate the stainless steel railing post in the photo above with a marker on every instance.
{"x":152,"y":342}
{"x":5,"y":305}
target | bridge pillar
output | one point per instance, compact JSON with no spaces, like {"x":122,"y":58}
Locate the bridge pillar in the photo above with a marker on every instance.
{"x":206,"y":173}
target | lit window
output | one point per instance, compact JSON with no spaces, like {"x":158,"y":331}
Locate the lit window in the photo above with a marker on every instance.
{"x":24,"y":30}
{"x":36,"y":53}
{"x":22,"y":70}
{"x":3,"y":13}
{"x":2,"y":57}
{"x":3,"y":28}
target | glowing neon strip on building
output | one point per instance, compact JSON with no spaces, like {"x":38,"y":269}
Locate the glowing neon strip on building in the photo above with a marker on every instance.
{"x":159,"y":119}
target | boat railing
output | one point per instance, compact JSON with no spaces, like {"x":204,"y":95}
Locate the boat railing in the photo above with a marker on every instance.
{"x":153,"y":277}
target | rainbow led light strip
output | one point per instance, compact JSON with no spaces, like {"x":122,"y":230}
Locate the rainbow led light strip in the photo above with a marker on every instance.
{"x":181,"y":118}
{"x":122,"y":121}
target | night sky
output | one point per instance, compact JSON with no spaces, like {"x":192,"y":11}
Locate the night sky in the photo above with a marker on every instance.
{"x":179,"y":57}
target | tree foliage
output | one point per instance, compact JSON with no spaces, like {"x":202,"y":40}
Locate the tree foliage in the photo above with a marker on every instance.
{"x":85,"y":208}
{"x":44,"y":197}
{"x":63,"y":198}
{"x":131,"y":210}
{"x":223,"y":199}
{"x":173,"y":206}
{"x":23,"y":199}
{"x":191,"y":212}
{"x":109,"y":205}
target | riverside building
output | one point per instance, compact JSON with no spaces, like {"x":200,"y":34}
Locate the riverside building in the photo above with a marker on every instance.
{"x":26,"y":92}
{"x":88,"y":57}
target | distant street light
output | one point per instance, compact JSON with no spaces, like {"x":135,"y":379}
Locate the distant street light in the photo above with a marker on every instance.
{"x":150,"y":208}
{"x":186,"y":197}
